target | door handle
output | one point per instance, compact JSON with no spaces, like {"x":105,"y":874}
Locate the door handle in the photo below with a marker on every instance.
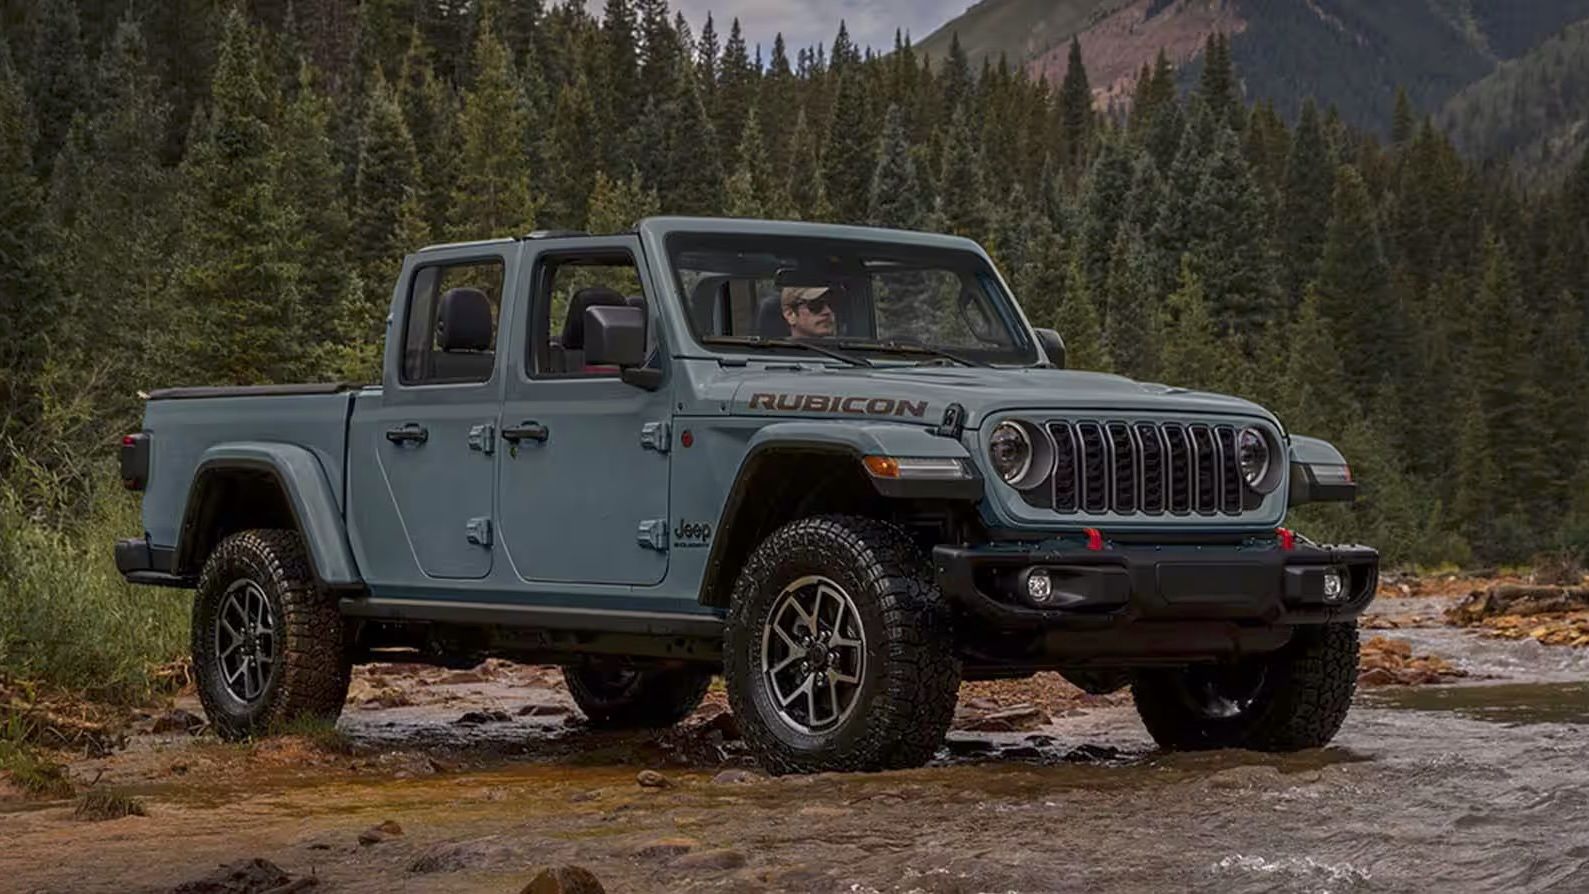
{"x":526,"y":431}
{"x":404,"y":434}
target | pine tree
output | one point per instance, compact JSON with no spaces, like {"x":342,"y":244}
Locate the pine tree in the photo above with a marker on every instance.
{"x":238,"y":277}
{"x":851,"y":152}
{"x":1103,"y":204}
{"x":1075,"y":110}
{"x":754,"y":190}
{"x":430,"y":112}
{"x":1079,"y":323}
{"x":571,"y":156}
{"x":895,"y":193}
{"x":617,"y":205}
{"x":1305,"y":202}
{"x":692,"y":182}
{"x":25,"y":302}
{"x":1218,"y":87}
{"x":618,"y":89}
{"x":1404,"y":122}
{"x":59,"y":78}
{"x":1191,"y":355}
{"x":707,"y":54}
{"x":962,"y":202}
{"x":1354,"y":285}
{"x":808,"y":192}
{"x":386,"y":188}
{"x":492,"y":195}
{"x":311,"y":182}
{"x":778,"y":106}
{"x":1563,"y":382}
{"x":1230,"y":243}
{"x":1130,"y":306}
{"x":1317,"y":400}
{"x":955,"y":80}
{"x":738,"y":92}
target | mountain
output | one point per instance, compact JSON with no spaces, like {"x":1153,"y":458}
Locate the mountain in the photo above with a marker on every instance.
{"x":1352,"y":53}
{"x":1534,"y":110}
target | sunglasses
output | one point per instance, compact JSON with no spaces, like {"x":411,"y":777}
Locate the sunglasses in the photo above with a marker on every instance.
{"x":815,"y":305}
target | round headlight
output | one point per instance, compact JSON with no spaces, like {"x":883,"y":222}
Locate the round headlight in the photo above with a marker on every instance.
{"x":1252,"y":449}
{"x":1010,"y":451}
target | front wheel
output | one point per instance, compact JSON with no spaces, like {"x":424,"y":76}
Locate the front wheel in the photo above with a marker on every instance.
{"x":838,"y":654}
{"x":267,"y":643}
{"x":1287,"y":700}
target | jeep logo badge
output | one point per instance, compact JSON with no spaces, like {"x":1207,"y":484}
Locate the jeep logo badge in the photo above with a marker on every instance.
{"x":688,"y":534}
{"x":826,"y":403}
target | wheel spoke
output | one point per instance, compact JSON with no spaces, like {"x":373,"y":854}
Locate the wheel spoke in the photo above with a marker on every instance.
{"x":811,"y":700}
{"x":841,"y":677}
{"x":777,"y":668}
{"x":789,"y":699}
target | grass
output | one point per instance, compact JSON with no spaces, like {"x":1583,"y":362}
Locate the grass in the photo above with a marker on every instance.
{"x":31,"y":773}
{"x":321,"y":732}
{"x":107,"y":804}
{"x":68,"y":620}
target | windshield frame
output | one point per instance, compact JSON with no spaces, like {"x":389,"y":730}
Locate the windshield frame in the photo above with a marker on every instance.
{"x":1022,"y":352}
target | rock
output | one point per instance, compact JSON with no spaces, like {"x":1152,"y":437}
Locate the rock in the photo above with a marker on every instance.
{"x":817,"y":811}
{"x":666,"y":848}
{"x":1020,"y":752}
{"x":1019,"y":718}
{"x":716,"y":858}
{"x":1244,"y":777}
{"x":377,"y":834}
{"x":968,"y":747}
{"x":478,"y":718}
{"x":1378,"y":676}
{"x":581,"y":797}
{"x":736,"y":777}
{"x":177,"y":720}
{"x":981,"y":704}
{"x":247,"y":877}
{"x":564,"y":880}
{"x":454,"y":856}
{"x":1092,"y":754}
{"x":653,"y":779}
{"x":463,"y":678}
{"x":1515,"y":599}
{"x":543,"y":711}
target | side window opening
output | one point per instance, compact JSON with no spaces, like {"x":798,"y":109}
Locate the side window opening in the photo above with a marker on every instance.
{"x":451,"y":330}
{"x":566,"y":288}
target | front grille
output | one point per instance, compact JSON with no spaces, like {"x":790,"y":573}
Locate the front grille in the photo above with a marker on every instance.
{"x":1147,"y":468}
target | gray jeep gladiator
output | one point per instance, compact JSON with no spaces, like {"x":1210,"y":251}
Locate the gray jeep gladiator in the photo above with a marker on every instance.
{"x":834,"y":464}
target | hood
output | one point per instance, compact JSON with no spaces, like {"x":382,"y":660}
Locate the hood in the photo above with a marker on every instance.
{"x":920,"y":394}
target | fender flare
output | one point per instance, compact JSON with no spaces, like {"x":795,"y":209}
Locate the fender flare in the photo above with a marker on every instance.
{"x":1319,"y":473}
{"x":309,"y":498}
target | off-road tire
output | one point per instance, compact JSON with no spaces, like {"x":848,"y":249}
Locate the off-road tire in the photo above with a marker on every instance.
{"x":1303,"y":699}
{"x":639,"y":699}
{"x":312,"y":667}
{"x":906,"y":699}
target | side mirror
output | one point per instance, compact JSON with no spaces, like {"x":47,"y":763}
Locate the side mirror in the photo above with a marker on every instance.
{"x":616,"y":336}
{"x":1053,"y":346}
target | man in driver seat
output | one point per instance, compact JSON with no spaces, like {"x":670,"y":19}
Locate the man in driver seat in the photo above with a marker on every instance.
{"x":809,"y":311}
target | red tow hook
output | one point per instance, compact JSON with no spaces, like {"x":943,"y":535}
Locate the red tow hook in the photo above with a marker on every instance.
{"x":1095,"y":540}
{"x":1288,"y":539}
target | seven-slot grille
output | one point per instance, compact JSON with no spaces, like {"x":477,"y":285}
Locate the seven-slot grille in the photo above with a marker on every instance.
{"x":1149,"y":468}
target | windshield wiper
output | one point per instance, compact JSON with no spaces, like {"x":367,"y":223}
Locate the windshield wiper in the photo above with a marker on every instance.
{"x":757,"y":341}
{"x":910,"y":346}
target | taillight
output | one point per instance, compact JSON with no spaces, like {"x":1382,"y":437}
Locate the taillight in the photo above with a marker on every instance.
{"x":135,"y":461}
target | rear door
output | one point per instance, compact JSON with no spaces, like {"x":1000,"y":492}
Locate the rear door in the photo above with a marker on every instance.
{"x":583,"y":482}
{"x":430,"y":432}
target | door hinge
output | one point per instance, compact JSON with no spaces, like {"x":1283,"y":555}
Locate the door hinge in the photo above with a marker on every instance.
{"x":654,"y":534}
{"x":478,"y":531}
{"x":483,"y":437}
{"x":656,"y":436}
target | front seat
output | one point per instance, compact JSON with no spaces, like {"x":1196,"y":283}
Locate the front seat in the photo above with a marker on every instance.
{"x":464,"y":331}
{"x":573,"y":340}
{"x":769,"y":319}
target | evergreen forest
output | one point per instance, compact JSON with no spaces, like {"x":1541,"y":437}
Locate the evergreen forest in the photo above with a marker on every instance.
{"x":195,"y":192}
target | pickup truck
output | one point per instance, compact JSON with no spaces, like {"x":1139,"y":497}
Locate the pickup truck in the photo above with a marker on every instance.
{"x":835,"y":465}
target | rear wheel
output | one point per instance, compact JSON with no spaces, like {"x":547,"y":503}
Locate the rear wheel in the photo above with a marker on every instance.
{"x":1287,"y":700}
{"x":267,"y":644}
{"x":627,"y":698}
{"x":838,"y":652}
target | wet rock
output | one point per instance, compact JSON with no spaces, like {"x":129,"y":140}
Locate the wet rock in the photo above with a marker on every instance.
{"x":716,"y":858}
{"x":177,"y":720}
{"x":479,"y":718}
{"x":543,"y":711}
{"x":968,"y":747}
{"x":247,"y":877}
{"x":666,"y":848}
{"x":1385,"y":662}
{"x":564,"y":880}
{"x":1092,"y":754}
{"x":736,"y":777}
{"x":455,"y":856}
{"x":1245,"y":777}
{"x":1021,"y":752}
{"x":652,"y":779}
{"x":1516,"y":599}
{"x":383,"y":832}
{"x":1015,"y":719}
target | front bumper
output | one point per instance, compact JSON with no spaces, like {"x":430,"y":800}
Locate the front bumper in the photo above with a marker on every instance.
{"x":1253,"y":584}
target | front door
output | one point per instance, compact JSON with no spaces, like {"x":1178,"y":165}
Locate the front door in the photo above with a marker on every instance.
{"x":430,"y":431}
{"x":582,"y":491}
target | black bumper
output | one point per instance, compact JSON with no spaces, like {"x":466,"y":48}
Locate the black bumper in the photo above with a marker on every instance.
{"x":141,"y":563}
{"x":1159,"y":586}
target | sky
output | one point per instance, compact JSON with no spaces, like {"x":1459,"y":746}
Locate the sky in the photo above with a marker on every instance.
{"x":808,"y":22}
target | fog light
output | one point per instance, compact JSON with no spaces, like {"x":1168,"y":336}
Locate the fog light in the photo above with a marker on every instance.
{"x":1334,"y":586}
{"x":1039,"y":588}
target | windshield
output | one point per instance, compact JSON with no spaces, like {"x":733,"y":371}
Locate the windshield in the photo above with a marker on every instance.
{"x":916,"y":304}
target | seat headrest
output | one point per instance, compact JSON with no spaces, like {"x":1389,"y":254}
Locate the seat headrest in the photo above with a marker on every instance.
{"x":769,"y":318}
{"x":706,"y":305}
{"x":464,"y":322}
{"x":583,"y":300}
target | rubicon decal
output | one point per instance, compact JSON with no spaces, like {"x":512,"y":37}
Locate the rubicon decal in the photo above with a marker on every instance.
{"x":833,"y":403}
